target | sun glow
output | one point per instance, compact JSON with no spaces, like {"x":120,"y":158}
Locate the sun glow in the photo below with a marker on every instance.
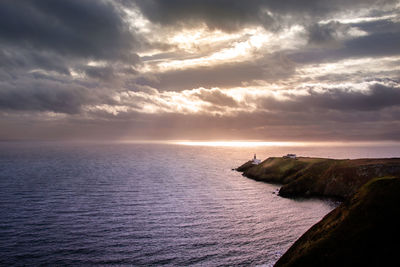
{"x":278,"y":143}
{"x":227,"y":47}
{"x":238,"y":143}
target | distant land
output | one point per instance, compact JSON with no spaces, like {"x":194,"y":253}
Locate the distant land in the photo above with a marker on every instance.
{"x":362,"y":230}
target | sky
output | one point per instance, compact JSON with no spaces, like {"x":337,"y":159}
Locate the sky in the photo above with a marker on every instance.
{"x":304,"y":70}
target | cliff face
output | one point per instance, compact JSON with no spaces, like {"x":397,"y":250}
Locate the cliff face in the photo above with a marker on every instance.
{"x":362,"y":231}
{"x":320,"y":177}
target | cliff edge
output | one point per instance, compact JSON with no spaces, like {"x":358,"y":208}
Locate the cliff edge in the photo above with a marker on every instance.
{"x":307,"y":177}
{"x":362,"y":231}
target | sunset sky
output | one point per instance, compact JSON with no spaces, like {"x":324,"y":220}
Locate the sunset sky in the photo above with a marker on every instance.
{"x":200,"y":70}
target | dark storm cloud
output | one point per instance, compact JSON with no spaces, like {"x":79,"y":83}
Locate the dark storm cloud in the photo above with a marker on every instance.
{"x":43,"y":41}
{"x":271,"y":67}
{"x":382,"y":39}
{"x":377,"y":26}
{"x":380,"y":44}
{"x":374,"y":45}
{"x":82,"y":28}
{"x":261,"y":125}
{"x":340,"y":114}
{"x":43,"y":95}
{"x":303,"y":125}
{"x":226,"y":15}
{"x":230,"y":15}
{"x":15,"y":61}
{"x":101,"y":73}
{"x":325,"y":33}
{"x":216,"y":97}
{"x":379,"y":96}
{"x":46,"y":47}
{"x":225,"y":75}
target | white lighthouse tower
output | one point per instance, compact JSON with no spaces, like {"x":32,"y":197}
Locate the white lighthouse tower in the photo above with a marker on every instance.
{"x":256,"y":161}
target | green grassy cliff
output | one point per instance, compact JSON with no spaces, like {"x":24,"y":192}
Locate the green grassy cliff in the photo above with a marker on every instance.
{"x":362,"y":231}
{"x":307,"y":177}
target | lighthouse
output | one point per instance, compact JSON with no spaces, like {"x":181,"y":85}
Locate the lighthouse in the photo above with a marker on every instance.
{"x":255,"y":161}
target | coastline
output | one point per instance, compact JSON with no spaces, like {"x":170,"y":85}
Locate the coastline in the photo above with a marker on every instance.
{"x":319,"y":177}
{"x":360,"y":230}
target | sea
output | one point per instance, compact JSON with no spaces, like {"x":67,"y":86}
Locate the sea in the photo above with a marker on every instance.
{"x":130,"y":204}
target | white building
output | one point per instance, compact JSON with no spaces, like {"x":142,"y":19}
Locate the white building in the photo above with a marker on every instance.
{"x":290,"y":156}
{"x":256,"y":161}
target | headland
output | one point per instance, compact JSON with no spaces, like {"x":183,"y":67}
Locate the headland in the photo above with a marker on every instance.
{"x":319,"y":177}
{"x":359,"y":232}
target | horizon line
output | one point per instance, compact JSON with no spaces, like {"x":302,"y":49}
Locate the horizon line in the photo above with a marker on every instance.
{"x":222,"y":143}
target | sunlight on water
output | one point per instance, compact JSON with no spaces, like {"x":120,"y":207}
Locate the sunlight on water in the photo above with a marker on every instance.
{"x":277,"y":144}
{"x":258,"y":143}
{"x":149,"y":204}
{"x":237,"y":143}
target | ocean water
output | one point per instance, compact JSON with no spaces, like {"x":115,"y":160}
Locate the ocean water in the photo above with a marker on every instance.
{"x":149,"y":205}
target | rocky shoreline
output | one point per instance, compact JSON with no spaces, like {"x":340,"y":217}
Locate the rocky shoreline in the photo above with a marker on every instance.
{"x":361,"y":231}
{"x":320,"y":177}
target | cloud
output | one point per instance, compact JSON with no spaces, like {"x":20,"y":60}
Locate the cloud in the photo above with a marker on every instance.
{"x":232,"y":15}
{"x":46,"y":48}
{"x":15,"y":61}
{"x":261,"y":125}
{"x":200,"y":69}
{"x":221,"y":14}
{"x":43,"y":96}
{"x":100,"y":73}
{"x":79,"y":28}
{"x":378,"y":40}
{"x":330,"y":34}
{"x":216,"y":97}
{"x":232,"y":74}
{"x":378,"y":96}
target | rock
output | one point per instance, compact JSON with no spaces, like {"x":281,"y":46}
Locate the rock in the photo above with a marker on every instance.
{"x":310,"y":177}
{"x":245,"y":166}
{"x":362,"y":231}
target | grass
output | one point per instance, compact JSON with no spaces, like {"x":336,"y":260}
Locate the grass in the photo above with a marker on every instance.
{"x":357,"y":233}
{"x":319,"y":176}
{"x":361,"y":231}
